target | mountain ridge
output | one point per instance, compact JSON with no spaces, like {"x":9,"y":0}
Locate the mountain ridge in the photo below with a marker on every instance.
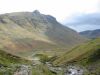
{"x":91,"y":33}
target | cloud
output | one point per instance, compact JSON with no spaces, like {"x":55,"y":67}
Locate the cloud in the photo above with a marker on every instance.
{"x":85,"y":19}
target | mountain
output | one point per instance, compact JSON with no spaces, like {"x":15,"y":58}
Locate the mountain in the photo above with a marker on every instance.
{"x":91,"y":33}
{"x":87,"y":55}
{"x":26,"y":32}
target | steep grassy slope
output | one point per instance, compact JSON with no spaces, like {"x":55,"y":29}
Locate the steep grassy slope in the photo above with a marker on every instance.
{"x":31,"y":31}
{"x":87,"y":55}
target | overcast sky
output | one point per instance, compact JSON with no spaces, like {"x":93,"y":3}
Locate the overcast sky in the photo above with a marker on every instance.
{"x":61,"y":9}
{"x":58,"y":8}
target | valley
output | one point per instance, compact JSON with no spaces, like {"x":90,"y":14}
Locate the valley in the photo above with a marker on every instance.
{"x":32,"y":43}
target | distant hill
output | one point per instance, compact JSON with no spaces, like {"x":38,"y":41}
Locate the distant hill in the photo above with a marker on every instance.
{"x":91,"y":33}
{"x":22,"y":32}
{"x":87,"y":55}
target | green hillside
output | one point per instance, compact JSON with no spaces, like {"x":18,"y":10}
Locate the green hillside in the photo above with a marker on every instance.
{"x":87,"y":55}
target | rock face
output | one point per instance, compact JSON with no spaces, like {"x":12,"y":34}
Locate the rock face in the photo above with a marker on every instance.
{"x":27,"y":31}
{"x":91,"y":33}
